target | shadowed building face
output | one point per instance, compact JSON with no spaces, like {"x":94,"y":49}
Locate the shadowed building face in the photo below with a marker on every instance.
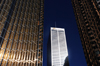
{"x":87,"y":13}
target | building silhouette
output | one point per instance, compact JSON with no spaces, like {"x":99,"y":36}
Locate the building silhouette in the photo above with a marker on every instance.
{"x":87,"y":13}
{"x":57,"y":47}
{"x":21,"y":32}
{"x":66,"y":63}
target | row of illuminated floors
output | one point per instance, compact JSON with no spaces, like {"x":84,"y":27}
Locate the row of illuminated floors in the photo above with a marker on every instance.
{"x":19,"y":57}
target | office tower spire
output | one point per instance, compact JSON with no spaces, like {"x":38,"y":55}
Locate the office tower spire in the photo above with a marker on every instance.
{"x":21,"y":32}
{"x":87,"y":13}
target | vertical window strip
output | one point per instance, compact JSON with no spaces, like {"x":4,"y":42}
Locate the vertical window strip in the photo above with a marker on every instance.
{"x":25,"y":42}
{"x":19,"y":36}
{"x":6,"y":24}
{"x":7,"y":39}
{"x":16,"y":29}
{"x":2,"y":4}
{"x":13,"y":37}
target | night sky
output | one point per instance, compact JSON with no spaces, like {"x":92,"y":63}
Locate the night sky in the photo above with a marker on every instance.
{"x":61,"y":12}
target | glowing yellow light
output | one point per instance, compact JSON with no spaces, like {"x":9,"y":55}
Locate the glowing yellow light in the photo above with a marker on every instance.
{"x":53,"y":28}
{"x":6,"y":55}
{"x":35,"y":59}
{"x":1,"y":55}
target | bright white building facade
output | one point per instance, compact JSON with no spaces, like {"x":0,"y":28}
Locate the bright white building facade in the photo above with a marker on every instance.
{"x":58,"y":46}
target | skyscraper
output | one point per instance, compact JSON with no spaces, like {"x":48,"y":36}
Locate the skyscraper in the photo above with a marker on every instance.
{"x":58,"y":47}
{"x":21,"y":32}
{"x":87,"y":13}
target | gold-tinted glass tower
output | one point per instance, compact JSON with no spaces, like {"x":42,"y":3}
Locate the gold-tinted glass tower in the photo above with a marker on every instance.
{"x":21,"y":32}
{"x":87,"y":13}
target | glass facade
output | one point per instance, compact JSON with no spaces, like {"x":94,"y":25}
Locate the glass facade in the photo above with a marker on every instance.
{"x":59,"y":50}
{"x":21,"y":32}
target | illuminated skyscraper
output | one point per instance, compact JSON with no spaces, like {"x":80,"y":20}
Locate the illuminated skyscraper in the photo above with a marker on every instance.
{"x":21,"y":32}
{"x":58,"y":47}
{"x":87,"y":13}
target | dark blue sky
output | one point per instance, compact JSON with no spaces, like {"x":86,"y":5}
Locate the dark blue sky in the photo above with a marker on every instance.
{"x":61,"y":12}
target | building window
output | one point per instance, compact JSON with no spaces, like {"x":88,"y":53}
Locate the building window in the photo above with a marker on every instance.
{"x":97,"y":52}
{"x":98,"y":2}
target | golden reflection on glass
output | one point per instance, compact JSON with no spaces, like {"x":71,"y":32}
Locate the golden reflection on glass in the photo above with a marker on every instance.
{"x":19,"y":43}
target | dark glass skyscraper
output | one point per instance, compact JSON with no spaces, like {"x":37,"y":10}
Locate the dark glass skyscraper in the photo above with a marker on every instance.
{"x":87,"y":13}
{"x":21,"y":32}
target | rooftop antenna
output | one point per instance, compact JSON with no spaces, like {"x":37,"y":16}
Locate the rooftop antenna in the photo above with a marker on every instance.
{"x":55,"y":24}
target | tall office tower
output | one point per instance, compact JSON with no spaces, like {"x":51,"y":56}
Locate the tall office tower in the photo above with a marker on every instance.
{"x":87,"y":13}
{"x":58,"y":47}
{"x":21,"y":32}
